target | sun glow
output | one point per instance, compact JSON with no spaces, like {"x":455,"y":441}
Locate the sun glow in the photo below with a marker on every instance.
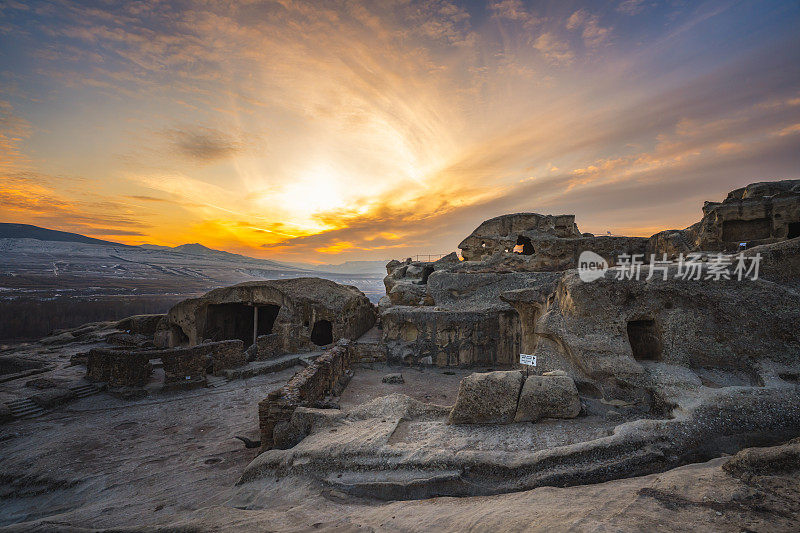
{"x":316,"y":191}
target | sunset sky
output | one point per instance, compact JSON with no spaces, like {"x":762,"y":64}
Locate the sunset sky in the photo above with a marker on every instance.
{"x":333,"y":130}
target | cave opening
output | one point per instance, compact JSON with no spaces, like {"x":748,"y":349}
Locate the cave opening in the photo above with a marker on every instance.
{"x":524,"y":246}
{"x":239,"y":321}
{"x":322,"y":333}
{"x":426,"y":271}
{"x":746,"y":230}
{"x":794,"y":230}
{"x":645,"y":339}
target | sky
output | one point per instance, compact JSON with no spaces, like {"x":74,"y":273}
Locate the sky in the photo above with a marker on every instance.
{"x":336,"y":130}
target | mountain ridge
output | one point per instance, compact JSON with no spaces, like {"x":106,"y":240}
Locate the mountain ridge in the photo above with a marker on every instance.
{"x":11,"y":230}
{"x":28,"y":231}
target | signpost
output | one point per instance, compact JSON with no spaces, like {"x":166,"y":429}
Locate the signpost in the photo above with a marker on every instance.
{"x":528,"y":360}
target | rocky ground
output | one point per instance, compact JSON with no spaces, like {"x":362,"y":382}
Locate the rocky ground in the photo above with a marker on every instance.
{"x":169,"y":462}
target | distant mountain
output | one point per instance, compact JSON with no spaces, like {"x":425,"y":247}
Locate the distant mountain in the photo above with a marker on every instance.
{"x":351,"y":267}
{"x":197,"y":249}
{"x":27,"y":231}
{"x":348,"y":267}
{"x":194,"y":250}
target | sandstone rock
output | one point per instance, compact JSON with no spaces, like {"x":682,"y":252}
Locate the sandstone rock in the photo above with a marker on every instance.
{"x":551,"y":396}
{"x":128,"y":339}
{"x":780,"y":262}
{"x":501,"y":234}
{"x":759,"y":213}
{"x":305,"y":312}
{"x":452,"y":257}
{"x":487,"y":398}
{"x":635,"y":339}
{"x":61,"y":338}
{"x":393,"y":378}
{"x":141,"y":324}
{"x":534,"y":242}
{"x":765,"y":461}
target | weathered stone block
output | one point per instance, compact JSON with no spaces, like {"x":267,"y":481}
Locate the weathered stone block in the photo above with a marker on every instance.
{"x":487,"y":398}
{"x":553,"y":396}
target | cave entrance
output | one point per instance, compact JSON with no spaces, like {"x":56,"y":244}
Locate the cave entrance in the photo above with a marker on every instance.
{"x":426,"y":271}
{"x":266,"y":318}
{"x":322,"y":333}
{"x":645,"y":340}
{"x":239,"y":321}
{"x":746,"y":230}
{"x":524,"y":246}
{"x":794,"y":230}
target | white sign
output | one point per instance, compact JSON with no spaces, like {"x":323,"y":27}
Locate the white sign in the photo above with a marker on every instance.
{"x":527,"y":359}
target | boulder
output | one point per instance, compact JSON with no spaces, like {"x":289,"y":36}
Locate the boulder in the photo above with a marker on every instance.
{"x":551,"y":396}
{"x":487,"y":398}
{"x":393,"y":378}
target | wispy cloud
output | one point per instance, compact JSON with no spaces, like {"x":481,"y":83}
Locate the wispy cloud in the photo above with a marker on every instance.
{"x":203,"y":144}
{"x":592,"y":32}
{"x":372,"y":129}
{"x":631,"y":7}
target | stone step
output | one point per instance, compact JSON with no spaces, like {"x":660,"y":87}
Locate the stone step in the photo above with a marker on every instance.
{"x":257,"y":368}
{"x":24,"y":408}
{"x":216,"y":381}
{"x":398,"y":484}
{"x":82,"y":391}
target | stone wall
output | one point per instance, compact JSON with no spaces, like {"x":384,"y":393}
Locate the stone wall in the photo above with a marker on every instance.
{"x":322,"y":378}
{"x":368,"y":352}
{"x":132,"y":368}
{"x":118,"y":368}
{"x":269,"y":346}
{"x":227,"y":354}
{"x":185,"y":369}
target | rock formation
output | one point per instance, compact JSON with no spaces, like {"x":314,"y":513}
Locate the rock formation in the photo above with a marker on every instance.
{"x":634,"y":375}
{"x":305,"y":312}
{"x":760,"y":213}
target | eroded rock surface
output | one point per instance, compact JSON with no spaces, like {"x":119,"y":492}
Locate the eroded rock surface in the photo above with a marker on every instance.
{"x":489,"y":398}
{"x":553,"y":396}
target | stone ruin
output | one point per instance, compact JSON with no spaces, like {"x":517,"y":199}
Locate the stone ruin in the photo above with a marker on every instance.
{"x":302,"y":312}
{"x":642,"y":375}
{"x":760,"y":213}
{"x":207,"y":336}
{"x":633,"y":375}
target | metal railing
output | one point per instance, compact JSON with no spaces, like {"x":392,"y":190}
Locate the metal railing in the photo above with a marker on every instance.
{"x":429,"y":257}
